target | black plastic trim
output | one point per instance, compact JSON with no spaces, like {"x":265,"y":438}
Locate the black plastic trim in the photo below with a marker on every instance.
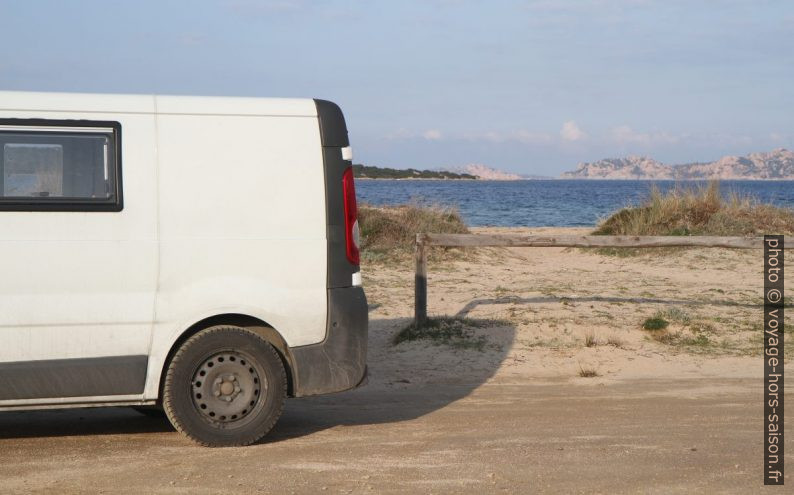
{"x":333,"y":134}
{"x":333,"y":130}
{"x":115,"y":204}
{"x":340,"y":361}
{"x":84,"y":377}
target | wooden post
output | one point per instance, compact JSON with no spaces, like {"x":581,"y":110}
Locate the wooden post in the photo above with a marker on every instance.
{"x":420,"y":282}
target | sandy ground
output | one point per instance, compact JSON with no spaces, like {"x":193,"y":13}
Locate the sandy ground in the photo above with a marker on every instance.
{"x":539,"y":305}
{"x":676,"y":411}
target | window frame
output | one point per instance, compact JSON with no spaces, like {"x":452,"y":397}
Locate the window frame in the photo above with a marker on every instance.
{"x":55,"y":126}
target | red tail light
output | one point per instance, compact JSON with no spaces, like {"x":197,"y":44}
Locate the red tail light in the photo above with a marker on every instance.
{"x":351,"y":217}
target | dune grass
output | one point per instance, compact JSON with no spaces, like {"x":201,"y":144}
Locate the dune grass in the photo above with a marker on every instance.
{"x":700,"y":210}
{"x":694,"y":210}
{"x":389,"y":232}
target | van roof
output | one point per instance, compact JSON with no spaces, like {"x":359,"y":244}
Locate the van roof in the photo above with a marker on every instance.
{"x":161,"y":104}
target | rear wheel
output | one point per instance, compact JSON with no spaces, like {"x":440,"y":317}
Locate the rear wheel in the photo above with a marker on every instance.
{"x":225,"y":386}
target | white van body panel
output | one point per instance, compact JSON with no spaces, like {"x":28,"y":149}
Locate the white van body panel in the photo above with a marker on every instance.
{"x":247,"y":264}
{"x":54,"y":302}
{"x":99,"y":284}
{"x":279,"y":200}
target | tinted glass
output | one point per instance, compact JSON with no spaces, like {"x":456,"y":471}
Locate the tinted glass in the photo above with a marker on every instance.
{"x":57,"y":166}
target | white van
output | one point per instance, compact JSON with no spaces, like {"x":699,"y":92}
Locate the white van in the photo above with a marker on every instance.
{"x":195,"y":254}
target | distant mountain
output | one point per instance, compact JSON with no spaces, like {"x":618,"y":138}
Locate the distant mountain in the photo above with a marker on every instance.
{"x":776,"y":164}
{"x":631,"y":167}
{"x":485,"y":173}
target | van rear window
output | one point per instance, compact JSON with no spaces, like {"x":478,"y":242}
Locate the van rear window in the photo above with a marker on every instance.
{"x":50,"y":166}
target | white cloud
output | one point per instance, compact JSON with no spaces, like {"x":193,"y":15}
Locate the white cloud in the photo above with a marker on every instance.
{"x":432,"y":134}
{"x":626,"y":135}
{"x":572,"y":132}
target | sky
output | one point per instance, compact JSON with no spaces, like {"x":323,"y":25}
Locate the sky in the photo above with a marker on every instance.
{"x":532,"y":87}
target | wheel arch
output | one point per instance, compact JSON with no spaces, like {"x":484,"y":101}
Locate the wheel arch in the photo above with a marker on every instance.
{"x":250,"y":323}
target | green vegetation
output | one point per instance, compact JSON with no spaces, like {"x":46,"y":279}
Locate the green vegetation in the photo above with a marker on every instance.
{"x":695,"y":342}
{"x":454,"y":332}
{"x":655,"y":323}
{"x":368,"y":172}
{"x":696,"y":335}
{"x":675,"y":314}
{"x":391,"y":231}
{"x":699,"y":211}
{"x":662,"y":319}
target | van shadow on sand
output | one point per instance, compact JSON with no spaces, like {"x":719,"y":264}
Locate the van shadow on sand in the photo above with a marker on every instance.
{"x":451,"y":374}
{"x":390,"y":397}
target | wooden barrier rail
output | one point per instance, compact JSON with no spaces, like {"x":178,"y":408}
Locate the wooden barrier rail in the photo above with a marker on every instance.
{"x":423,"y":241}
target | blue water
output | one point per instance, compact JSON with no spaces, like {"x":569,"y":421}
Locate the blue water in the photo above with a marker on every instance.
{"x":540,"y":203}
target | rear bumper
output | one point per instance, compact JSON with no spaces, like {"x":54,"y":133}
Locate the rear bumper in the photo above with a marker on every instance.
{"x":340,"y":361}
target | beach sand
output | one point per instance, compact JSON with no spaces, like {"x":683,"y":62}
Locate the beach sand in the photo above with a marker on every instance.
{"x":537,"y":307}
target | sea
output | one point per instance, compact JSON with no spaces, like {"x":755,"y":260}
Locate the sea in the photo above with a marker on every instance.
{"x":546,"y":203}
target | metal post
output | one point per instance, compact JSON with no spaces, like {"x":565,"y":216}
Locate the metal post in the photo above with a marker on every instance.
{"x":420,"y":283}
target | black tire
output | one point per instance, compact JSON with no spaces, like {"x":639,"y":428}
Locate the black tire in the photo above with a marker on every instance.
{"x":155,"y":412}
{"x":225,"y":387}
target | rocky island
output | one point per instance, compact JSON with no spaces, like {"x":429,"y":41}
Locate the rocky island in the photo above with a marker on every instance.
{"x":777,"y":164}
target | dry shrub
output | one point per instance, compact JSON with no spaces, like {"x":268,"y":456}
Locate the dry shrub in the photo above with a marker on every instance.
{"x":700,"y":210}
{"x":588,"y":372}
{"x":390,"y":231}
{"x":590,"y":339}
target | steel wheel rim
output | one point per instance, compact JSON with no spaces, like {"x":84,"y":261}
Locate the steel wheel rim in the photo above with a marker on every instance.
{"x":228,"y":388}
